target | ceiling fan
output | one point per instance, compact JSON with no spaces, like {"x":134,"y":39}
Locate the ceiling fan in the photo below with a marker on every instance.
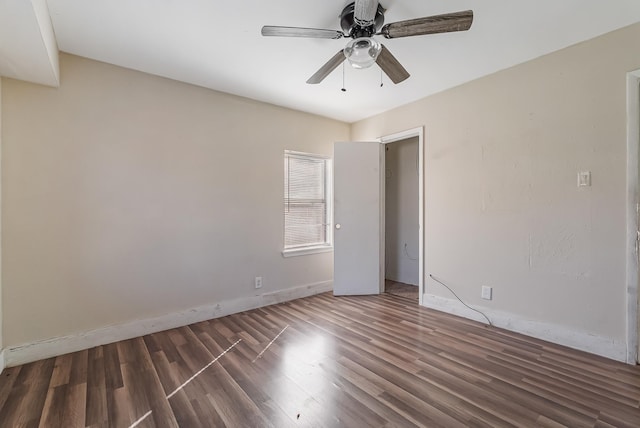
{"x":363,"y":19}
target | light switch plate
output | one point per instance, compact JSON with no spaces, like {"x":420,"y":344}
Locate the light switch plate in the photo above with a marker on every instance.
{"x":584,"y":179}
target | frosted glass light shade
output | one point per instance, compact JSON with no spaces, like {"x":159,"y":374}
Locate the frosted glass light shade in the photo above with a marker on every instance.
{"x":362,"y":52}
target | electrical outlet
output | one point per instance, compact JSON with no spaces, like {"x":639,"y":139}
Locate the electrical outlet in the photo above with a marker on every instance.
{"x":258,"y":282}
{"x":487,"y":292}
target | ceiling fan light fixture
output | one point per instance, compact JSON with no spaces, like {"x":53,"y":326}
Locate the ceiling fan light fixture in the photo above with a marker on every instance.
{"x":362,"y":52}
{"x":361,"y":20}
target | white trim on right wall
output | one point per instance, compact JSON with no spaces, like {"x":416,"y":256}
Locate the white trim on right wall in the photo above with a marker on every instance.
{"x":633,"y":213}
{"x":554,"y":333}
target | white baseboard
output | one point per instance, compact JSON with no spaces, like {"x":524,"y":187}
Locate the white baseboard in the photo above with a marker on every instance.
{"x":1,"y":361}
{"x":561,"y":335}
{"x":29,"y":352}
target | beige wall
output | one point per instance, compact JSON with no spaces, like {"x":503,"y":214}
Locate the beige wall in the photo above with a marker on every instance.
{"x":1,"y":316}
{"x":502,"y":206}
{"x":127,"y":196}
{"x":401,"y":211}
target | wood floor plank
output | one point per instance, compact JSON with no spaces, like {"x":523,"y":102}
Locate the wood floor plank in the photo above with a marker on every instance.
{"x":367,"y":393}
{"x":96,"y":413}
{"x":74,"y":407}
{"x":61,"y":370}
{"x":324,"y":361}
{"x":186,"y":415}
{"x":79,"y":368}
{"x":233,"y":405}
{"x":8,"y":377}
{"x":253,"y":380}
{"x":53,"y":411}
{"x":29,"y":393}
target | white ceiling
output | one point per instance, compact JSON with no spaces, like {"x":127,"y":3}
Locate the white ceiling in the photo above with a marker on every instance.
{"x":28,"y":48}
{"x":217,"y":44}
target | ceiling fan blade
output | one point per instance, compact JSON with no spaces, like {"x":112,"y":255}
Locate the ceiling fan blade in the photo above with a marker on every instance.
{"x":326,"y":69}
{"x":271,"y":30}
{"x":391,"y":66}
{"x":364,"y":12}
{"x":458,"y":21}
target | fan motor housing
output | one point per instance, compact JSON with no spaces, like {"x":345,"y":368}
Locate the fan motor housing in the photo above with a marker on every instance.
{"x":349,"y":26}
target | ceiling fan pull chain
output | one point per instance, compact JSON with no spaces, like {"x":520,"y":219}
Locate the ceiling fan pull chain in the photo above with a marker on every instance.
{"x":381,"y":83}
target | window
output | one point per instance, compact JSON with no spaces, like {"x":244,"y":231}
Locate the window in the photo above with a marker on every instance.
{"x":307,"y":203}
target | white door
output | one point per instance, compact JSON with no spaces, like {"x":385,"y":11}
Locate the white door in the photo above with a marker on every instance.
{"x":358,"y":218}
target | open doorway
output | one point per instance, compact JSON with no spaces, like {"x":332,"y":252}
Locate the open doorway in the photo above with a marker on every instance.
{"x":401,"y":218}
{"x":359,"y":215}
{"x":403,"y":213}
{"x":633,"y":217}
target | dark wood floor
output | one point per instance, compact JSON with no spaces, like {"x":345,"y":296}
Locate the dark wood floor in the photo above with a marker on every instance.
{"x":402,"y":290}
{"x":324,"y":361}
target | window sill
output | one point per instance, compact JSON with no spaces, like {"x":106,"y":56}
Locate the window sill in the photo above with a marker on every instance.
{"x":306,"y":251}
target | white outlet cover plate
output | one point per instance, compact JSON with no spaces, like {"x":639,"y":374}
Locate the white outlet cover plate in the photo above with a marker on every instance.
{"x":486,"y":292}
{"x":584,"y":179}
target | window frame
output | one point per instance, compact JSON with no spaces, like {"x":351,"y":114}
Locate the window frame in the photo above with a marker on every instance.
{"x":327,"y":246}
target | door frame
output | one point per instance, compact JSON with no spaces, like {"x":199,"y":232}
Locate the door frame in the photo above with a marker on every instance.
{"x":410,"y":133}
{"x":633,"y":213}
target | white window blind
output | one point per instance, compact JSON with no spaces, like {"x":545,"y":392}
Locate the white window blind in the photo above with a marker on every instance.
{"x":306,"y":200}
